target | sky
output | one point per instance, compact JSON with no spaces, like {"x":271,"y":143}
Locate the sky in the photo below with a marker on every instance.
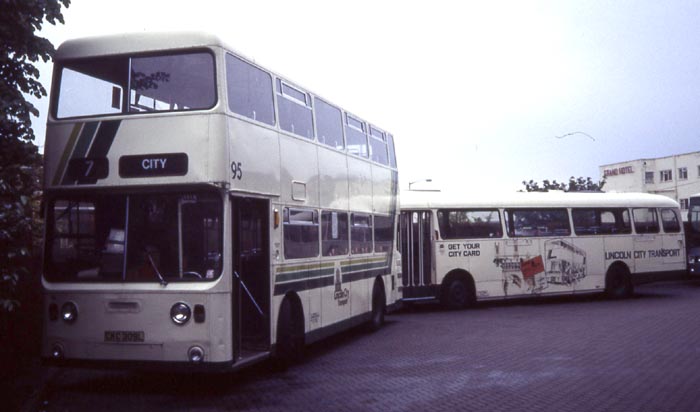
{"x":479,"y":95}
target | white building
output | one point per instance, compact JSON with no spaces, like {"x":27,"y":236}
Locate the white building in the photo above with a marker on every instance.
{"x":677,"y":177}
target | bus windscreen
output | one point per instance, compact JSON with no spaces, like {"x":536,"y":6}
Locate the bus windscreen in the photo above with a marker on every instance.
{"x":135,"y":84}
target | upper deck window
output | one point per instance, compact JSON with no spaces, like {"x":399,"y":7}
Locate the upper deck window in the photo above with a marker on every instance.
{"x":392,"y":152}
{"x":103,"y":85}
{"x":356,"y":136}
{"x":378,"y":150}
{"x":294,"y":110}
{"x":249,"y":90}
{"x":329,"y":124}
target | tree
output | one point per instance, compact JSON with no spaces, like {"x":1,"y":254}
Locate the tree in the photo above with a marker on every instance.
{"x":575,"y":185}
{"x":20,"y":162}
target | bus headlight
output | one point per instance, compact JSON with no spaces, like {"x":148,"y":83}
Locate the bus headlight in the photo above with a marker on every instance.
{"x":196,"y":354}
{"x":57,"y":351}
{"x":69,"y":312}
{"x":180,"y":313}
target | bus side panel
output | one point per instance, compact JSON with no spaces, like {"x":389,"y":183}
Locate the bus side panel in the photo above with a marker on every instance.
{"x":618,"y":248}
{"x":333,"y":175}
{"x":476,"y":256}
{"x":674,"y":252}
{"x":254,"y":158}
{"x":314,"y":307}
{"x":525,"y":273}
{"x":563,"y":264}
{"x":299,"y":172}
{"x":335,"y":299}
{"x":381,"y":190}
{"x":591,"y":264}
{"x":360,"y":185}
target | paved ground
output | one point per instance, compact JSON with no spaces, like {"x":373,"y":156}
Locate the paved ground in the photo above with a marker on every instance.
{"x":562,"y":354}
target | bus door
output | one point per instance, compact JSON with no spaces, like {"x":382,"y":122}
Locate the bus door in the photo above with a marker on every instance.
{"x":416,"y":253}
{"x":251,"y":275}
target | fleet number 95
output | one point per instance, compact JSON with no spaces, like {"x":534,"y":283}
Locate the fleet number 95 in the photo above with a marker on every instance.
{"x":236,"y":170}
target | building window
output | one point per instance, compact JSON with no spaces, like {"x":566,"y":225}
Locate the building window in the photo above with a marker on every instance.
{"x":648,"y":177}
{"x":666,"y":175}
{"x":682,"y":173}
{"x":684,"y":204}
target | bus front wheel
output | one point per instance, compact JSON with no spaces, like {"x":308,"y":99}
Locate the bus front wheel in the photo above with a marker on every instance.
{"x":378,"y":306}
{"x":456,"y":294}
{"x":290,"y":334}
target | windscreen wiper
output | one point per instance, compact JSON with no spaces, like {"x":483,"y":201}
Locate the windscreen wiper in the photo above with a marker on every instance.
{"x":155,"y":268}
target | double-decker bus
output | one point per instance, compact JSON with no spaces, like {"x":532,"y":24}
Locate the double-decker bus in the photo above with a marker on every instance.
{"x":460,"y":249}
{"x":692,"y":233}
{"x":202,"y":210}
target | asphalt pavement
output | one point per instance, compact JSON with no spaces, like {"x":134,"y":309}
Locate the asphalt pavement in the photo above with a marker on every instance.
{"x":544,"y":354}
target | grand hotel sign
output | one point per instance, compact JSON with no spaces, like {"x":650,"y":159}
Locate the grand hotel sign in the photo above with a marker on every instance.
{"x":624,"y":170}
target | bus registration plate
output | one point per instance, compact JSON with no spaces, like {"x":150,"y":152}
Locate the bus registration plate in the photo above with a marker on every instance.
{"x":124,"y":336}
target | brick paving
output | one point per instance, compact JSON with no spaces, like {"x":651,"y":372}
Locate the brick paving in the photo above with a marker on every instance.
{"x":556,"y":354}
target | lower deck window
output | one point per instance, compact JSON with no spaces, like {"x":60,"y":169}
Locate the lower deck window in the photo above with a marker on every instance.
{"x":670,"y":221}
{"x":383,"y":233}
{"x":645,"y":220}
{"x":361,"y":234}
{"x":469,"y":224}
{"x":334,"y":227}
{"x":300,"y":233}
{"x":603,"y":221}
{"x":537,"y":222}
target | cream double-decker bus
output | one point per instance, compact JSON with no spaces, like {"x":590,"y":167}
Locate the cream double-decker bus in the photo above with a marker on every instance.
{"x":460,"y":250}
{"x":202,"y":210}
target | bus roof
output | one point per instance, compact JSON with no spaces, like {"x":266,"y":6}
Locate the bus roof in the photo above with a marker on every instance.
{"x":134,"y":43}
{"x":429,"y":200}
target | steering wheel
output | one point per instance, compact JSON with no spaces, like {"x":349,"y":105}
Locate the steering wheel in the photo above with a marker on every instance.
{"x":193,"y":274}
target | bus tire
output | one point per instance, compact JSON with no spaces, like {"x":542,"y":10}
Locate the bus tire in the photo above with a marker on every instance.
{"x":290,"y":334}
{"x":618,"y":283}
{"x":378,"y":306}
{"x":457,"y":294}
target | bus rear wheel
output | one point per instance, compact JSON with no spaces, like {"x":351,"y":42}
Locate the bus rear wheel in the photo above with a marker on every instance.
{"x":290,"y":334}
{"x":618,"y":283}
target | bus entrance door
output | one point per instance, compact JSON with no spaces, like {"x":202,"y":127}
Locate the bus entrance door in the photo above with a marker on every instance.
{"x":251,"y":276}
{"x":416,"y":255}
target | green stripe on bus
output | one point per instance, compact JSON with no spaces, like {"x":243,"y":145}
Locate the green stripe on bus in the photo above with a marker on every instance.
{"x":304,"y":274}
{"x":369,"y":266}
{"x":363,"y":261}
{"x":66,"y":154}
{"x":304,"y":266}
